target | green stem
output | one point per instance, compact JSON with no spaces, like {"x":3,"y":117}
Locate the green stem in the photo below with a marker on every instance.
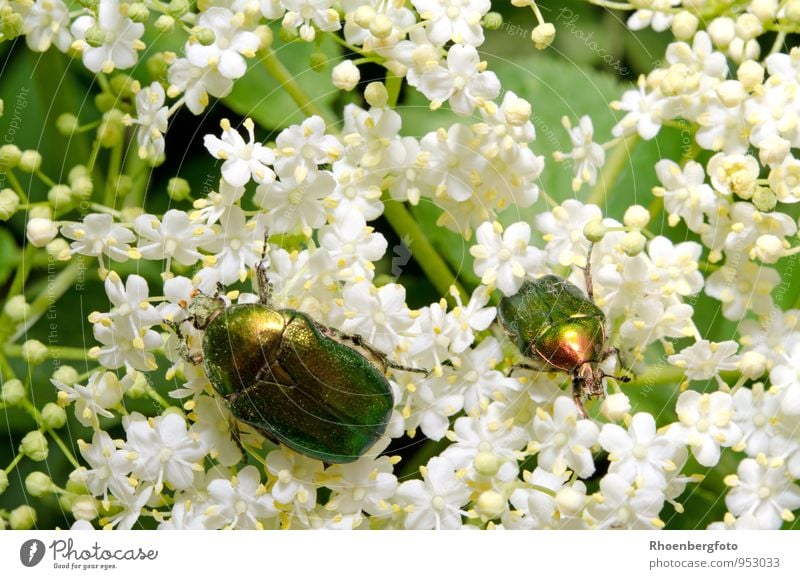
{"x":17,"y":186}
{"x":615,"y":165}
{"x":153,"y":393}
{"x":55,"y":352}
{"x":113,"y":175}
{"x":45,"y":179}
{"x":280,"y":73}
{"x":49,"y":295}
{"x":393,"y":86}
{"x":423,"y":251}
{"x":13,"y":463}
{"x":67,"y":452}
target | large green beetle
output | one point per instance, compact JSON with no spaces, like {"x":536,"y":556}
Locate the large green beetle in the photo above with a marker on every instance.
{"x":551,"y":320}
{"x":292,"y":379}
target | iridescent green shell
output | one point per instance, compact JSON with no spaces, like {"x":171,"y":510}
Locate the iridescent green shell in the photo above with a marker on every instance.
{"x":553,"y":320}
{"x":281,"y":374}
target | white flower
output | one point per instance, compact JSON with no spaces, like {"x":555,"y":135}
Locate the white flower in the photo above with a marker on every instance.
{"x":296,"y":476}
{"x":621,"y":505}
{"x":639,"y":454}
{"x":450,"y":163}
{"x":110,"y":466}
{"x":733,"y":174}
{"x":121,"y":346}
{"x":763,"y":488}
{"x":436,"y":501}
{"x":564,"y":440}
{"x":173,"y":237}
{"x":102,"y":391}
{"x":242,"y":160}
{"x":748,"y":286}
{"x":151,"y":116}
{"x":162,"y":450}
{"x":534,"y":508}
{"x":705,"y":424}
{"x":658,"y":15}
{"x":646,"y":112}
{"x":703,"y":359}
{"x":685,"y":193}
{"x":216,"y":203}
{"x":197,"y":83}
{"x":563,"y":231}
{"x":504,"y":258}
{"x":785,"y":377}
{"x":365,"y":484}
{"x":755,"y":411}
{"x":456,"y":21}
{"x":212,"y":422}
{"x":293,"y":205}
{"x":302,"y":13}
{"x":784,"y":180}
{"x":230,"y":44}
{"x":465,"y":320}
{"x":587,"y":156}
{"x":121,"y":38}
{"x":237,"y":248}
{"x":353,"y":245}
{"x":379,"y":315}
{"x":98,"y":235}
{"x":300,"y":149}
{"x":47,"y":23}
{"x":464,"y":82}
{"x":677,"y":266}
{"x":345,"y":75}
{"x":130,"y":305}
{"x":240,"y":502}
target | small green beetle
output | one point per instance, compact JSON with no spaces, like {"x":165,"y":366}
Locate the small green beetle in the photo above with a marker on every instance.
{"x":292,"y":379}
{"x":551,"y":320}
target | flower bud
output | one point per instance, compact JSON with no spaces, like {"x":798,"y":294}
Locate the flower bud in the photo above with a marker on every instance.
{"x":765,"y":10}
{"x":9,"y":156}
{"x":177,"y":8}
{"x":22,"y":518}
{"x":543,"y":35}
{"x":138,"y":12}
{"x":41,"y":231}
{"x":34,"y":352}
{"x":30,"y":161}
{"x":66,"y":375}
{"x":765,"y":199}
{"x":67,"y":123}
{"x":17,"y":309}
{"x":615,"y":406}
{"x":139,"y":387}
{"x":12,"y":393}
{"x":178,"y":189}
{"x":490,"y":504}
{"x":59,"y":195}
{"x":124,"y":86}
{"x":768,"y":249}
{"x":3,"y":481}
{"x":204,"y":35}
{"x":752,"y":364}
{"x":731,"y":93}
{"x":38,"y":484}
{"x":492,"y":21}
{"x":594,"y":230}
{"x":376,"y":95}
{"x":95,"y":36}
{"x":9,"y":203}
{"x":84,"y":508}
{"x":517,"y":111}
{"x":684,"y":25}
{"x":486,"y":463}
{"x":381,"y":26}
{"x":636,"y":216}
{"x":570,"y":502}
{"x":58,"y":249}
{"x":364,"y":15}
{"x":2,"y":107}
{"x":157,"y":66}
{"x":773,"y":150}
{"x":748,"y":26}
{"x":633,"y":243}
{"x":722,"y":30}
{"x":265,"y":37}
{"x":111,"y":130}
{"x":345,"y":75}
{"x":165,"y":24}
{"x":792,"y":9}
{"x":53,"y":416}
{"x":740,"y":50}
{"x":82,"y":187}
{"x":34,"y":446}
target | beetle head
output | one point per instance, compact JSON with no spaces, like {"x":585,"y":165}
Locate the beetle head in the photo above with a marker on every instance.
{"x":203,"y":309}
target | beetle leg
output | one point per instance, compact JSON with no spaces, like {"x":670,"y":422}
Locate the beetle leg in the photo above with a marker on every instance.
{"x":524,"y":366}
{"x":382,"y":358}
{"x":614,"y":351}
{"x":577,"y":397}
{"x":183,"y":347}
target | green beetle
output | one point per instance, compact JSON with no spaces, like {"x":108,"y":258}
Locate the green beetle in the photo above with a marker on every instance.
{"x":551,"y":320}
{"x":292,"y":379}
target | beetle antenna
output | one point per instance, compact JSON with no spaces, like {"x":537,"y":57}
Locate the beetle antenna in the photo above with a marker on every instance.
{"x":623,"y":379}
{"x":262,"y":281}
{"x":587,"y":272}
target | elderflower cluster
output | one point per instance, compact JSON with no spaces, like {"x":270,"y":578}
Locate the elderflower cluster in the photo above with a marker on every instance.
{"x":516,"y":451}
